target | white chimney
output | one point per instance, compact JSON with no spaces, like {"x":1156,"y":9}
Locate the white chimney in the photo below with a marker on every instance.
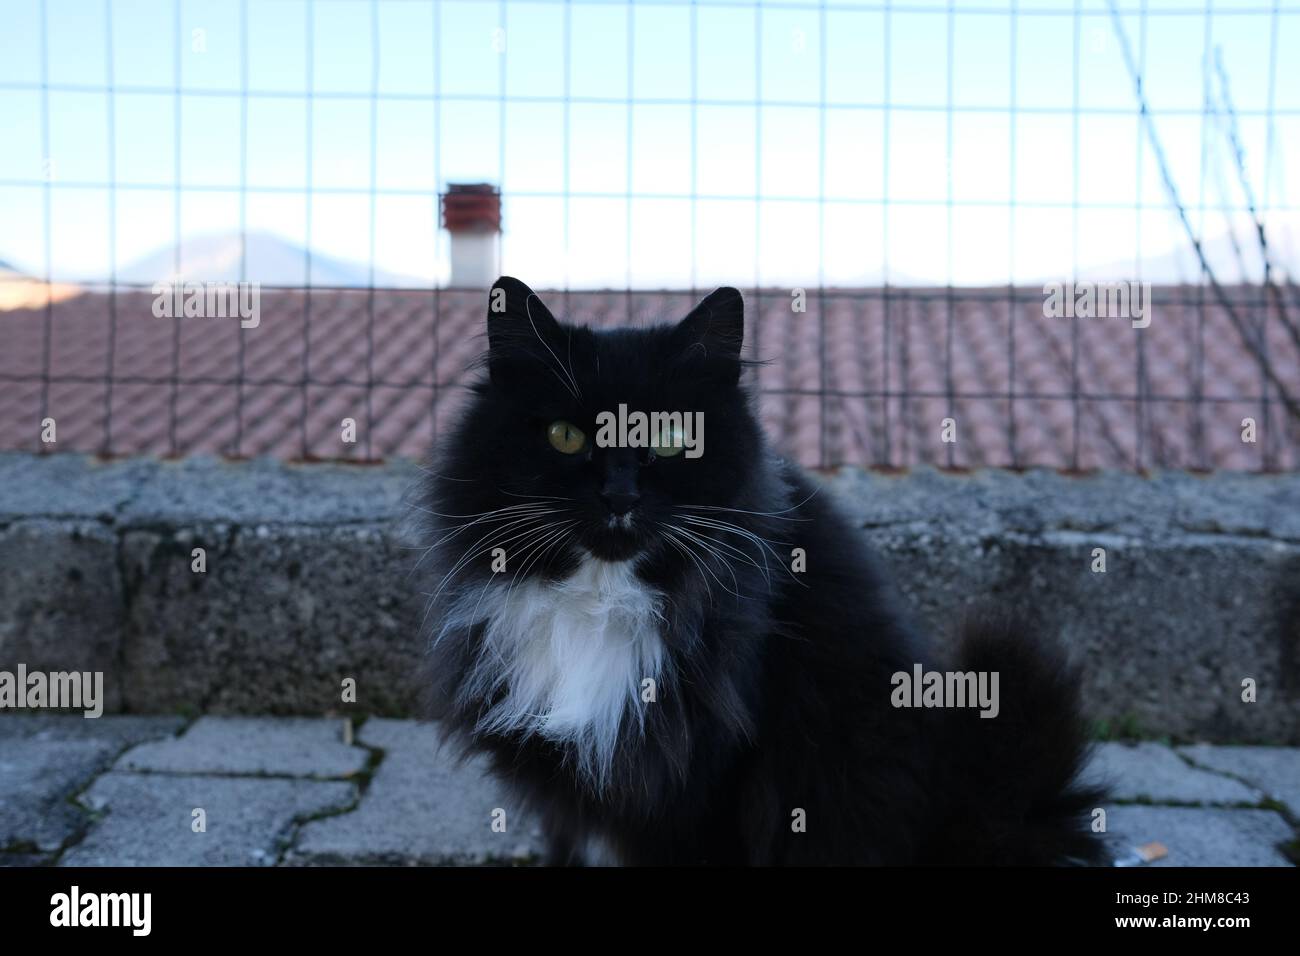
{"x":471,"y":212}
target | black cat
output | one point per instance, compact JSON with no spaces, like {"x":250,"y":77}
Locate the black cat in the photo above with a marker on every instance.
{"x":692,"y":658}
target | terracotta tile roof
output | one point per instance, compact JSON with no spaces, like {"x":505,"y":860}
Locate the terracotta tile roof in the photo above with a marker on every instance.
{"x":857,"y":379}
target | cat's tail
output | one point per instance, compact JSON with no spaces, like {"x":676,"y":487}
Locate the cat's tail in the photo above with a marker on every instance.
{"x":1015,"y":788}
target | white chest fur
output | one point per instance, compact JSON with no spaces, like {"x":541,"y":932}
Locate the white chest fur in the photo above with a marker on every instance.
{"x":569,"y":657}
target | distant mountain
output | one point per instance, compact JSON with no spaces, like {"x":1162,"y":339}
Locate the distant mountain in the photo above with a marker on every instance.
{"x":18,"y":290}
{"x":1232,"y":258}
{"x":268,"y":259}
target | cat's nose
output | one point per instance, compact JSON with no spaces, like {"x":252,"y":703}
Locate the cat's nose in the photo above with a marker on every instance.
{"x":620,"y":502}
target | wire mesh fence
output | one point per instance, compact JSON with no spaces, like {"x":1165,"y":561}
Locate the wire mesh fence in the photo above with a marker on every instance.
{"x":893,"y":209}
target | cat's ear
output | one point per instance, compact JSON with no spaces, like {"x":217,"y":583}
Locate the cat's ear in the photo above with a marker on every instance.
{"x":520,"y":326}
{"x":713,"y":333}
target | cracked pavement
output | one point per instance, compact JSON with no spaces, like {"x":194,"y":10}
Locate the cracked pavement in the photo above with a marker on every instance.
{"x":277,"y":791}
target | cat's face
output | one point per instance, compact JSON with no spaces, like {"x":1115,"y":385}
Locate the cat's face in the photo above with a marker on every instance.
{"x":541,"y":438}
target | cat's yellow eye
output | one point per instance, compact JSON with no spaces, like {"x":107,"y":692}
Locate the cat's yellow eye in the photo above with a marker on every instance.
{"x":669,"y":443}
{"x":566,"y":437}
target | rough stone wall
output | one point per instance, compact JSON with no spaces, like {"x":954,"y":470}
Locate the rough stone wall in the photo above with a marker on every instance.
{"x":307,"y":582}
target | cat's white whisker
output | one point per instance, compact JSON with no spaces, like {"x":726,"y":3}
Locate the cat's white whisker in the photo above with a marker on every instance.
{"x":722,"y":558}
{"x":765,"y":544}
{"x":572,"y":384}
{"x":763,"y":514}
{"x":763,"y":569}
{"x":705,"y":564}
{"x":490,"y":516}
{"x":687,"y":553}
{"x":541,"y":535}
{"x":528,"y":557}
{"x":475,"y":550}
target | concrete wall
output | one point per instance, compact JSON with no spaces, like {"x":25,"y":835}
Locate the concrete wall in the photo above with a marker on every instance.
{"x":307,"y":582}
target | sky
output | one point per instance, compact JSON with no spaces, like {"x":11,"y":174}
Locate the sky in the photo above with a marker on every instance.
{"x":652,"y":145}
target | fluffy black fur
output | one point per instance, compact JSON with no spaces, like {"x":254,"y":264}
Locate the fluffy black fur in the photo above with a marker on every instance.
{"x":776,"y":695}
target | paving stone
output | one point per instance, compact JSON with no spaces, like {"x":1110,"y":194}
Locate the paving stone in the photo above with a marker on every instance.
{"x":148,"y":819}
{"x":121,"y":731}
{"x":1201,"y":836}
{"x":282,"y":746}
{"x":1274,"y":770}
{"x":47,"y":758}
{"x":1150,"y":771}
{"x":422,"y":807}
{"x":36,"y":781}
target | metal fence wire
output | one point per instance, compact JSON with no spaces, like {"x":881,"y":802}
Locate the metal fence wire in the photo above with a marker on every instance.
{"x":869,"y":368}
